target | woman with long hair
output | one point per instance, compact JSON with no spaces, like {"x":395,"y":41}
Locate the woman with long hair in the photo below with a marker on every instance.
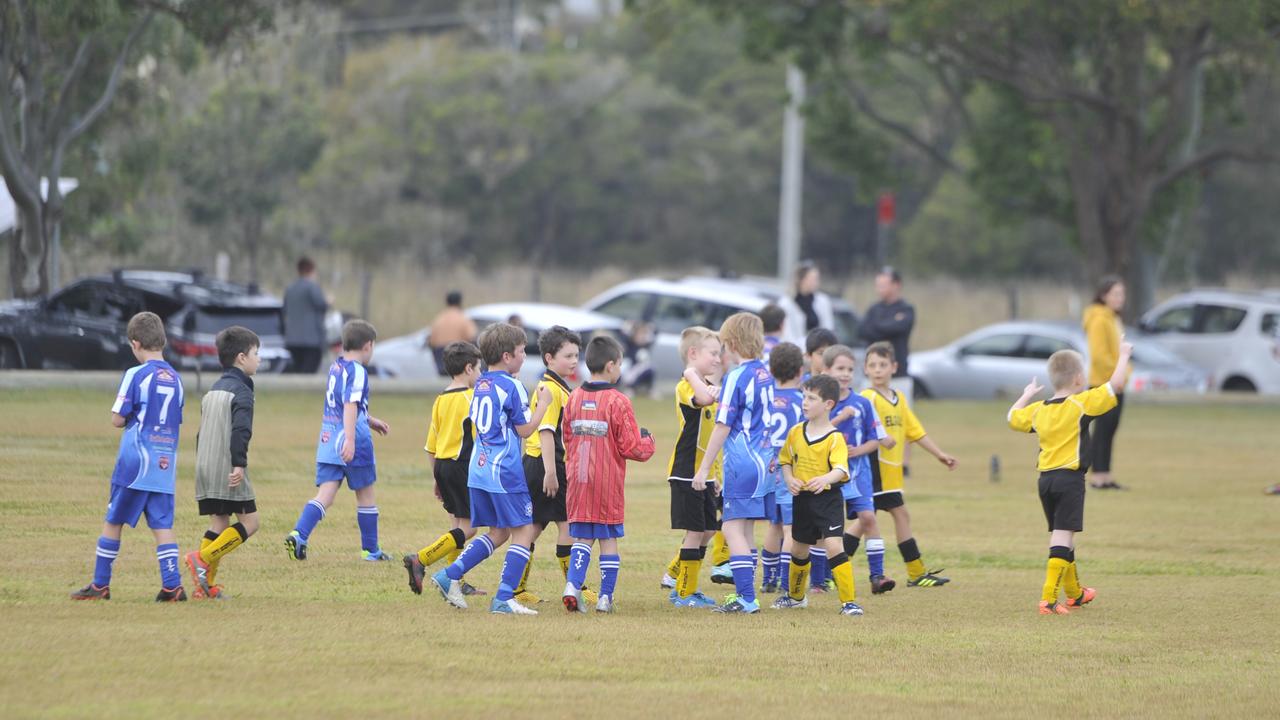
{"x":1104,"y":329}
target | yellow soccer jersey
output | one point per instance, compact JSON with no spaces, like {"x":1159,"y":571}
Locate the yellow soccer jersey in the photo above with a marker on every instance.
{"x":696,"y":424}
{"x":1060,"y":425}
{"x":450,"y":436}
{"x":901,"y":424}
{"x":552,"y":420}
{"x":813,"y":457}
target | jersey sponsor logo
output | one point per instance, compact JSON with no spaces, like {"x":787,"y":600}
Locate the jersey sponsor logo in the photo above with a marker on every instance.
{"x":528,"y":508}
{"x":590,"y":428}
{"x":324,"y":436}
{"x":163,"y":462}
{"x":164,"y":375}
{"x":589,"y":405}
{"x":483,"y":386}
{"x":762,"y":374}
{"x":482,"y":458}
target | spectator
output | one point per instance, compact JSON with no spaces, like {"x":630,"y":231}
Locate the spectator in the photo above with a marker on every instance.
{"x":891,"y":320}
{"x":809,"y":308}
{"x":774,"y":318}
{"x":451,"y":325}
{"x":1103,"y":330}
{"x":304,"y":308}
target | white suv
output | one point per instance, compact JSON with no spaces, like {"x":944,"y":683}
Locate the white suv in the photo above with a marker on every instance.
{"x":1234,"y":336}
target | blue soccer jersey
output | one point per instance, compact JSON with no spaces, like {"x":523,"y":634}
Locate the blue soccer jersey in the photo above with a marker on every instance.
{"x":786,"y":413}
{"x":498,"y":404}
{"x":745,"y":400}
{"x":348,"y":383}
{"x":863,"y":426}
{"x":150,"y":400}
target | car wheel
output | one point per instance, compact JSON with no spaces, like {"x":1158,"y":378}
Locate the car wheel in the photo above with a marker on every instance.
{"x":9,"y":357}
{"x":920,"y":390}
{"x":1239,"y":384}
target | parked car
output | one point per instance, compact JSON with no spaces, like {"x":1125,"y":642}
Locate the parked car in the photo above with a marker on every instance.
{"x":409,"y":356}
{"x":82,"y":326}
{"x":1233,"y":336}
{"x":999,"y":360}
{"x":673,"y":305}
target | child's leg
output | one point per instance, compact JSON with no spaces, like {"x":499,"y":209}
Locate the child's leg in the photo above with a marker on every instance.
{"x":468,"y":532}
{"x":314,"y":511}
{"x":907,"y":542}
{"x":689,"y":563}
{"x":784,"y":561}
{"x":875,"y":544}
{"x":739,"y":534}
{"x":367,"y":517}
{"x":1060,"y":542}
{"x":799,"y":580}
{"x":448,"y":545}
{"x":719,"y":548}
{"x":564,"y":545}
{"x":167,"y":557}
{"x":610,"y":564}
{"x":770,"y":553}
{"x":227,"y":538}
{"x":517,"y":560}
{"x":841,"y":569}
{"x":579,"y":561}
{"x":476,"y":552}
{"x":108,"y":549}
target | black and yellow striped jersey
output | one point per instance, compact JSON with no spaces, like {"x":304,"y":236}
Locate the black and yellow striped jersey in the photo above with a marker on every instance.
{"x":814,"y":457}
{"x":901,"y":424}
{"x":552,"y":420}
{"x":1060,"y":424}
{"x":696,"y":424}
{"x":450,"y":436}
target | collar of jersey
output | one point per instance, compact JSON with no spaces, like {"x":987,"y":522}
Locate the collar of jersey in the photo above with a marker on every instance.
{"x":804,"y":430}
{"x":590,"y":386}
{"x":551,"y":375}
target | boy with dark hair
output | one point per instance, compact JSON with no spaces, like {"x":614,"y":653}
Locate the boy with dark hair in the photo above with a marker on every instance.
{"x":223,"y":488}
{"x":600,"y":435}
{"x":785,"y":365}
{"x":345,"y":448}
{"x":774,"y":319}
{"x":449,"y":442}
{"x":149,"y":409}
{"x":815,"y":344}
{"x":496,"y":485}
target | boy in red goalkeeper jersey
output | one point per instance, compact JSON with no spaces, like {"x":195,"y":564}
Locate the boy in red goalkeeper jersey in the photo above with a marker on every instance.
{"x":600,"y":435}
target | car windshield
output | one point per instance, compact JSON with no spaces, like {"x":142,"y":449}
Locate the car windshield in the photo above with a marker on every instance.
{"x":264,"y":322}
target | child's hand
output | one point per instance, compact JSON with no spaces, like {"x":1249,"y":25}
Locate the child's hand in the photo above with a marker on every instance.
{"x":845,"y":414}
{"x":1032,"y":389}
{"x":544,"y":396}
{"x":714,"y":390}
{"x":644,"y":433}
{"x":348,"y":449}
{"x":550,"y":482}
{"x":379,"y":426}
{"x":887,"y":442}
{"x":949,"y":461}
{"x":438,"y":495}
{"x":236,"y":477}
{"x":816,"y":485}
{"x":699,"y":481}
{"x":1126,"y":348}
{"x":794,"y":486}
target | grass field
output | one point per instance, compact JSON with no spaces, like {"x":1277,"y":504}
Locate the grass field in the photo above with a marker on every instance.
{"x":1186,"y":623}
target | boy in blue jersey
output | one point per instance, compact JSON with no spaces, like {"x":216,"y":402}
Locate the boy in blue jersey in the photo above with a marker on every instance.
{"x":149,"y":409}
{"x":785,"y":364}
{"x":855,"y":417}
{"x":496,"y":485}
{"x":345,"y":449}
{"x":774,"y":319}
{"x":745,"y":399}
{"x":815,"y":344}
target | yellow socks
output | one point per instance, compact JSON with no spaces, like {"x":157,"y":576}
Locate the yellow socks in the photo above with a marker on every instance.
{"x":209,"y":537}
{"x":673,"y":567}
{"x":911,"y":557}
{"x":842,"y":573}
{"x":228,"y":540}
{"x":562,"y":556}
{"x":1054,"y":570}
{"x":1071,"y":580}
{"x":688,"y":566}
{"x":453,"y":555}
{"x":524,"y":579}
{"x":719,"y":550}
{"x":799,"y":577}
{"x":444,"y":546}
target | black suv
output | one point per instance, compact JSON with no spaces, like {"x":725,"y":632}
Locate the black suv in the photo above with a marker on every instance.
{"x":82,"y":326}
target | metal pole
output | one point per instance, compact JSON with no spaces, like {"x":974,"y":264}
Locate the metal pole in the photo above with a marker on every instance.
{"x":792,"y":177}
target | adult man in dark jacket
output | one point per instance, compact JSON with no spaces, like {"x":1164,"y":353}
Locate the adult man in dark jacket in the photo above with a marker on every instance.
{"x":890,"y":320}
{"x":304,"y":308}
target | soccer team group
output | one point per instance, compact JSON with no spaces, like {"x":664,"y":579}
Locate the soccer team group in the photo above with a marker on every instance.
{"x":767,"y":433}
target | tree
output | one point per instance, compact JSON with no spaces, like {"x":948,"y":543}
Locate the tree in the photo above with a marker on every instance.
{"x":62,"y":63}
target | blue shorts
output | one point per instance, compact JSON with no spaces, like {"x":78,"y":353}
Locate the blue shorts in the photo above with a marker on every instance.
{"x":754,"y":508}
{"x":781,"y":513}
{"x":126,"y":506}
{"x":595,"y":531}
{"x":500,"y":510}
{"x":864,"y":502}
{"x":358,"y":477}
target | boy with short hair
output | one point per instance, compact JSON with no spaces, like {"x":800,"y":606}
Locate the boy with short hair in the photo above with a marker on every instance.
{"x":856,"y":419}
{"x":496,"y":486}
{"x":740,"y":431}
{"x":774,"y":319}
{"x":148,"y":407}
{"x":223,"y":488}
{"x":600,"y":435}
{"x":901,"y":424}
{"x":449,"y":442}
{"x":345,"y":448}
{"x":693,"y":511}
{"x":815,"y":344}
{"x":814,"y":461}
{"x":1063,"y":462}
{"x":785,"y":365}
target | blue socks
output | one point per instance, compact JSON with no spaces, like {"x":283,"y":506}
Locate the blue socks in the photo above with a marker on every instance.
{"x":875,"y":556}
{"x":512,"y":571}
{"x":817,"y":566}
{"x":312,"y":514}
{"x":744,"y":576}
{"x":108,"y":549}
{"x":167,"y":556}
{"x":367,"y":517}
{"x":579,"y":561}
{"x":609,"y":566}
{"x":476,"y":552}
{"x":770,"y":560}
{"x":784,"y":572}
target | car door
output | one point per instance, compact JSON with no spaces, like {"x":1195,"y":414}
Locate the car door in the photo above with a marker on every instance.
{"x":1203,"y":342}
{"x":70,"y":328}
{"x":984,"y":367}
{"x":1175,"y":325}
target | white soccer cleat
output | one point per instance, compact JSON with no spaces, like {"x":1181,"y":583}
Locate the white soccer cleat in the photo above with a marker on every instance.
{"x":605,"y":604}
{"x":517,"y":609}
{"x":668,"y":582}
{"x":573,"y":599}
{"x":450,"y":590}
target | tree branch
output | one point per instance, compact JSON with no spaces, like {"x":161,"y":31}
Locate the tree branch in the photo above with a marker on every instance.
{"x":108,"y":92}
{"x":24,"y":188}
{"x":1210,"y":157}
{"x":78,"y":65}
{"x":864,"y":104}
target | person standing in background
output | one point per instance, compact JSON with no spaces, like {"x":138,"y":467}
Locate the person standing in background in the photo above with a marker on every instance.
{"x":450,"y":326}
{"x":304,"y":308}
{"x":1104,"y":330}
{"x":809,"y":307}
{"x":891,"y":320}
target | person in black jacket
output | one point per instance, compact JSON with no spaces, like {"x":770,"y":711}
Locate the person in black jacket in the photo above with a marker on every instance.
{"x":890,"y":320}
{"x":222,"y":459}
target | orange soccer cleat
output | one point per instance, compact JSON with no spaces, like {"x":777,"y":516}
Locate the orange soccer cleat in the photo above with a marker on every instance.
{"x":1048,"y":608}
{"x":1087,"y":594}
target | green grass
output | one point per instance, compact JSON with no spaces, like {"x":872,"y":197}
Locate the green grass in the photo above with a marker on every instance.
{"x":1185,"y":625}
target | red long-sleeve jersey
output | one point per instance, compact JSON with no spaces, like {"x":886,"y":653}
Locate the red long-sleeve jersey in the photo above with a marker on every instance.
{"x":600,"y":435}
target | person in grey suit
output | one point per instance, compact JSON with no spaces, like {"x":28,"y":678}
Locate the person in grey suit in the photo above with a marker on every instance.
{"x":304,"y":308}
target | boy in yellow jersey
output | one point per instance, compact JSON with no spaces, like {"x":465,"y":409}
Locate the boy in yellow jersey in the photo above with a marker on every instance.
{"x":693,"y":511}
{"x":899,"y":423}
{"x":1059,"y":424}
{"x":815,"y":464}
{"x":449,"y":442}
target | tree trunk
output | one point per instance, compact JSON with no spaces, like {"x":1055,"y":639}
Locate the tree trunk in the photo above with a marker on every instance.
{"x":28,"y":253}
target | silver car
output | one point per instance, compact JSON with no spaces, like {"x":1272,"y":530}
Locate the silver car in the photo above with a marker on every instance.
{"x":999,"y":360}
{"x":1233,"y":336}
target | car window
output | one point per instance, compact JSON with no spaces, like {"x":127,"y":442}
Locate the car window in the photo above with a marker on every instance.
{"x":673,"y":314}
{"x":1271,"y":324}
{"x":119,"y":306}
{"x":1040,"y":347}
{"x":846,"y":327}
{"x":265,"y":322}
{"x":996,"y":346}
{"x":78,"y":300}
{"x":628,"y":306}
{"x":718,"y":314}
{"x":1220,"y":318}
{"x":1178,"y":319}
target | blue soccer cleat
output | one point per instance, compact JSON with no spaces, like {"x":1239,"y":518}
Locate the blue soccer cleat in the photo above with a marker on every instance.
{"x":722,"y":575}
{"x":851,"y":608}
{"x":736,"y":605}
{"x":375,"y":556}
{"x":296,"y":546}
{"x":786,"y":602}
{"x":450,"y":590}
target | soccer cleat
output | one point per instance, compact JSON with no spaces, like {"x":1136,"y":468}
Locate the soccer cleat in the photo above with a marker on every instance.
{"x":736,"y":605}
{"x":92,"y":592}
{"x":786,"y":602}
{"x":296,"y":545}
{"x":929,"y":579}
{"x":469,"y":589}
{"x":851,"y":608}
{"x":217,"y":593}
{"x":604,"y":604}
{"x":1087,"y":594}
{"x":450,"y":590}
{"x":416,"y":572}
{"x":527,"y":598}
{"x":589,"y":596}
{"x":667,"y":582}
{"x":172,"y":595}
{"x":572,"y":599}
{"x":198,"y":594}
{"x":1048,"y":608}
{"x":769,"y":588}
{"x":722,"y":575}
{"x":510,"y":607}
{"x":881,"y":584}
{"x":375,"y":556}
{"x":199,"y":574}
{"x":701,"y":600}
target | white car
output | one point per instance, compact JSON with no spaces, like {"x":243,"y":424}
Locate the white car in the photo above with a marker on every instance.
{"x":1234,"y":336}
{"x":409,"y":356}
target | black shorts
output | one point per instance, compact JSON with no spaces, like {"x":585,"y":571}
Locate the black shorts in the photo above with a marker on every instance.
{"x":815,"y":516}
{"x":545,"y":509}
{"x":451,"y":478}
{"x":889,"y":500}
{"x":1062,"y":497}
{"x":693,"y":510}
{"x":214,"y":506}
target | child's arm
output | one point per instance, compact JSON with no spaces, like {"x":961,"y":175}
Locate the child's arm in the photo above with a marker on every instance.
{"x":865,"y":448}
{"x":927,"y":443}
{"x":845,"y":414}
{"x":1032,"y":389}
{"x":715,"y":444}
{"x":241,"y":433}
{"x":823,"y":482}
{"x":349,"y":412}
{"x":544,"y":399}
{"x":379,"y":426}
{"x":629,"y":439}
{"x":1121,"y":373}
{"x":794,"y":486}
{"x":550,"y":479}
{"x":703,"y":394}
{"x":118,"y":420}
